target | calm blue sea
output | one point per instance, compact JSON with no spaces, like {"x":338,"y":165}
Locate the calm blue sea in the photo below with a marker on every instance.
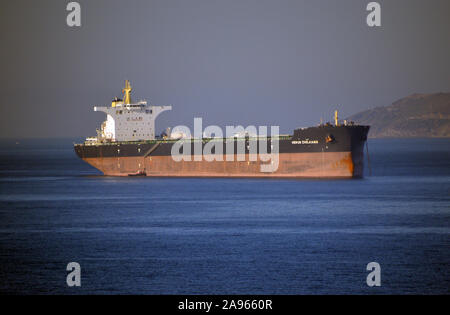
{"x":225,"y":236}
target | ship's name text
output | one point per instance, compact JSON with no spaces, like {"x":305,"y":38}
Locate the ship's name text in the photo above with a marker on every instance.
{"x":305,"y":142}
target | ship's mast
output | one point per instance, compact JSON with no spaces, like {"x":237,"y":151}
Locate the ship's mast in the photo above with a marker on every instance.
{"x":126,"y":93}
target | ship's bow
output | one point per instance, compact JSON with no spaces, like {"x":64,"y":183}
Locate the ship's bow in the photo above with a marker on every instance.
{"x":358,"y":141}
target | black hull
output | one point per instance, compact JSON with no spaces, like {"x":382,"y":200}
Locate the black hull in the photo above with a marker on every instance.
{"x":308,"y":140}
{"x":318,"y":152}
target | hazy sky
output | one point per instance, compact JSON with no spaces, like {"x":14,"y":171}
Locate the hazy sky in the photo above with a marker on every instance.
{"x":248,"y":62}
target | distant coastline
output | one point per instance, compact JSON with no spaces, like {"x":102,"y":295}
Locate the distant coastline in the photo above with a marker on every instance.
{"x":414,"y":116}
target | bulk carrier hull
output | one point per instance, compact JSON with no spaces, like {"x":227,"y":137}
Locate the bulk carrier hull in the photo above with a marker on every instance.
{"x":317,"y":152}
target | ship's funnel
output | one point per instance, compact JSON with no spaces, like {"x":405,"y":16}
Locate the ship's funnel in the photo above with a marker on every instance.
{"x":127,"y":93}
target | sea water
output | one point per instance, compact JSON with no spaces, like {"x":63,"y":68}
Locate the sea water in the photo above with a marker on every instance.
{"x":225,"y":236}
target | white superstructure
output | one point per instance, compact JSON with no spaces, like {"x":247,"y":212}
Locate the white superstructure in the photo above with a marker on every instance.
{"x":127,"y":121}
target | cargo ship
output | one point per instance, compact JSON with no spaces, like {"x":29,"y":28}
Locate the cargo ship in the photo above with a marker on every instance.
{"x":126,"y":145}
